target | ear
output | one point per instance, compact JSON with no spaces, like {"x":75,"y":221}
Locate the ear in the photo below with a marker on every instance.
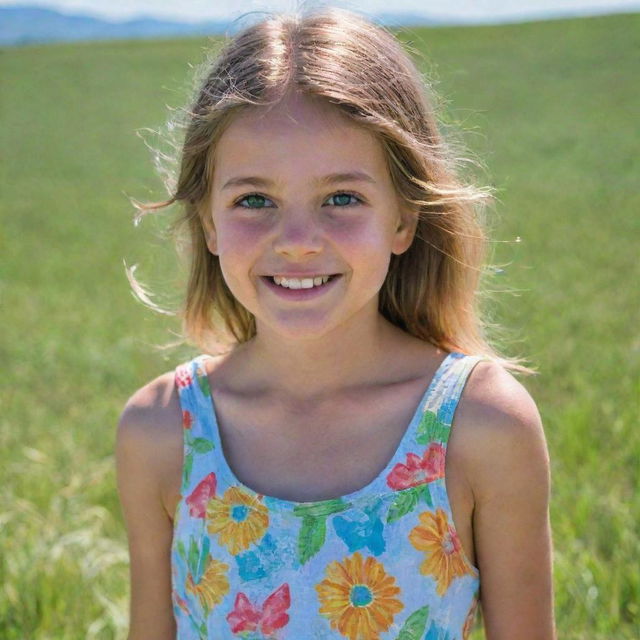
{"x":405,"y":231}
{"x":210,"y":236}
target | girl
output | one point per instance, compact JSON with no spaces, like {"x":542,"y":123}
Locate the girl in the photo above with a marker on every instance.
{"x":309,"y":482}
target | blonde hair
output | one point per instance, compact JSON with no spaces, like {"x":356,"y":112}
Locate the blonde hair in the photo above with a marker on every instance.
{"x":431,"y":290}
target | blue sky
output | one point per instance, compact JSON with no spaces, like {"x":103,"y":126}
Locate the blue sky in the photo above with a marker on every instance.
{"x":193,"y":10}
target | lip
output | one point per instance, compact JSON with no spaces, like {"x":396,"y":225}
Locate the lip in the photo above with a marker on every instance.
{"x":300,"y":294}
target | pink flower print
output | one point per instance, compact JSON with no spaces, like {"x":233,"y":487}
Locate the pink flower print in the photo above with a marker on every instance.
{"x":201,"y":495}
{"x":187,"y":419}
{"x":183,"y":376}
{"x":418,"y":470}
{"x":248,"y":617}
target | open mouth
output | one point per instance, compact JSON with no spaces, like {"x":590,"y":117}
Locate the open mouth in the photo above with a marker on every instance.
{"x":272,"y":281}
{"x":301,"y":293}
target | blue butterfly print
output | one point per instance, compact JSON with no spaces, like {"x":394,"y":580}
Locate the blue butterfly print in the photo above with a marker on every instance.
{"x":362,"y":529}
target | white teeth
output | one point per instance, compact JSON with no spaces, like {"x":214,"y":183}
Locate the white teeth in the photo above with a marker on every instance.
{"x":297,"y":283}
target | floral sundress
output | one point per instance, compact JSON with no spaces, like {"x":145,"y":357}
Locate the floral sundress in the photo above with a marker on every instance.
{"x":381,"y":563}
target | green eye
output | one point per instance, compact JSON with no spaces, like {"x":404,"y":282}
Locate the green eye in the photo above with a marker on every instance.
{"x":254,"y":201}
{"x":342,"y":199}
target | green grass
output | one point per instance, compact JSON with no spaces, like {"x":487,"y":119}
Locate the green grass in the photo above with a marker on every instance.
{"x":550,"y":107}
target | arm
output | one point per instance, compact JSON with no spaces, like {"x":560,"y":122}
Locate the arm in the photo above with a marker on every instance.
{"x":141,"y":455}
{"x":510,"y":476}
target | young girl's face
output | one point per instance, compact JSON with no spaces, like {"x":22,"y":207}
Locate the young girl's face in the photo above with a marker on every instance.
{"x":301,"y":191}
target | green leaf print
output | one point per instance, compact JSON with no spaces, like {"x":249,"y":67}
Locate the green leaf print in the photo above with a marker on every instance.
{"x":441,"y":431}
{"x":204,"y":383}
{"x":188,"y":465}
{"x":182,"y":551}
{"x":194,"y":554}
{"x":424,"y":494}
{"x":320,"y":509}
{"x":405,"y":501}
{"x":430,"y":429}
{"x":414,"y":626}
{"x":202,"y":560}
{"x":311,"y":537}
{"x":314,"y":524}
{"x":201,"y":445}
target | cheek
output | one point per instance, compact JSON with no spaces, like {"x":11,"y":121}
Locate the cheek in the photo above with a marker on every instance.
{"x":367,"y":258}
{"x":236,"y":238}
{"x":237,"y":244}
{"x":367,"y":243}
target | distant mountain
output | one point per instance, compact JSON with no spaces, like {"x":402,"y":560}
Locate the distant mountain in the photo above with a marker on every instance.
{"x":23,"y":25}
{"x":413,"y":19}
{"x":30,"y":25}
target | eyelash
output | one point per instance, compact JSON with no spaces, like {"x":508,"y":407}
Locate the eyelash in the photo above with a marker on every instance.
{"x":337,"y":193}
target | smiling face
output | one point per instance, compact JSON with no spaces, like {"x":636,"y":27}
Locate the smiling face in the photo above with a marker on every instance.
{"x":301,"y":190}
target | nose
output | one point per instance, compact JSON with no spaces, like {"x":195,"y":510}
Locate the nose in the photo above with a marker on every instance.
{"x":297,"y":235}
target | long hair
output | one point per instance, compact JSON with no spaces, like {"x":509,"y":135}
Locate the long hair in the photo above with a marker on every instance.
{"x":432,"y":290}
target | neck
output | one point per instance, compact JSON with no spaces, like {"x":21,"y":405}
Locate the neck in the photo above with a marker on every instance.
{"x":315,"y":369}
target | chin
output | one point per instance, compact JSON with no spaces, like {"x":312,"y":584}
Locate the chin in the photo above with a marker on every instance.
{"x":301,"y":329}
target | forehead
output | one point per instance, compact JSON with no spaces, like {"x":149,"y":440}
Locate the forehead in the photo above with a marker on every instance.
{"x":299,"y":130}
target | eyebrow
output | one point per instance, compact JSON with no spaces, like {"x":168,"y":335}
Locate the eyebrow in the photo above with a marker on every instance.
{"x":332,"y":178}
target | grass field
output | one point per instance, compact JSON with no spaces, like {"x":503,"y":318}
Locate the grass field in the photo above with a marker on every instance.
{"x":552,"y":109}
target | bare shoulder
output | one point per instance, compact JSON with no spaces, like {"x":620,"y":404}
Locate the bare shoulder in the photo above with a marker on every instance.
{"x":152,"y":412}
{"x":150,"y":431}
{"x":154,"y":407}
{"x":507,"y":466}
{"x":494,"y":393}
{"x":503,"y":431}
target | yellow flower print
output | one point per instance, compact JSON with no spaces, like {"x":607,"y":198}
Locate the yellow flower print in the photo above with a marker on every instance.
{"x":238,"y":517}
{"x":213,"y":585}
{"x":357,"y":596}
{"x":445,"y":560}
